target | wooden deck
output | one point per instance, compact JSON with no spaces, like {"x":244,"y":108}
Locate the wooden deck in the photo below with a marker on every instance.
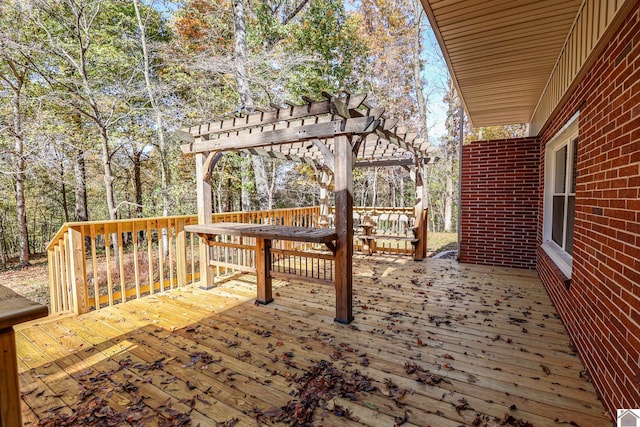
{"x":433,"y":343}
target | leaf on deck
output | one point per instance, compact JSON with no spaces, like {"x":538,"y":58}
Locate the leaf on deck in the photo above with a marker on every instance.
{"x":401,"y":420}
{"x":315,"y":389}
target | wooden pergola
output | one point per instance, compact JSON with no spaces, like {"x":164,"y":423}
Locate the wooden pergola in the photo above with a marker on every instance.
{"x":333,"y":136}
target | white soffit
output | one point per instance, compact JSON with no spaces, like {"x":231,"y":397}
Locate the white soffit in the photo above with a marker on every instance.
{"x":501,"y":52}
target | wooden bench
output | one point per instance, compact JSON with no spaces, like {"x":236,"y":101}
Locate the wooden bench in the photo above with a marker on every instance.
{"x":368,"y":240}
{"x":412,"y":240}
{"x":14,"y":309}
{"x":264,"y":234}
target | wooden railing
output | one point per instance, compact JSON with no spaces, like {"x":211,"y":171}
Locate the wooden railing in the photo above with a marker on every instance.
{"x":102,"y":263}
{"x":310,"y":261}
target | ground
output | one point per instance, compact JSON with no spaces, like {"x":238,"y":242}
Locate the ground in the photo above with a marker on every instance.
{"x":33,"y":282}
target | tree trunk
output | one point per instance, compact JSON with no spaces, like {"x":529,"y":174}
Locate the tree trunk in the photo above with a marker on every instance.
{"x":448,"y":205}
{"x":229,"y":208}
{"x":80,"y":179}
{"x":262,"y":182}
{"x":449,"y":154}
{"x":449,"y":192}
{"x":401,"y":200}
{"x":21,"y":213}
{"x":240,"y":50}
{"x":108,"y":174}
{"x":137,"y":181}
{"x":246,"y":98}
{"x":272,"y":185}
{"x":417,"y":69}
{"x":245,"y":196}
{"x":162,"y":144}
{"x":3,"y":250}
{"x":374,"y":196}
{"x":63,"y":189}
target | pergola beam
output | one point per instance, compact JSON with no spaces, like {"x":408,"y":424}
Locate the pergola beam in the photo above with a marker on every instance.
{"x":323,"y":130}
{"x":392,"y":162}
{"x":329,"y":158}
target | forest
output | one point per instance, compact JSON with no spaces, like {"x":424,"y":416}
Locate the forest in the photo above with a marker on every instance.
{"x":92,"y":91}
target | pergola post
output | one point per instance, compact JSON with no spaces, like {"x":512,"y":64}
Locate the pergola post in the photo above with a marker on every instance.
{"x":344,"y":229}
{"x":421,"y":223}
{"x":204,"y":217}
{"x":325,"y":180}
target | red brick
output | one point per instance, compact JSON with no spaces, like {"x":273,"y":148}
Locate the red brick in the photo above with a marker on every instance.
{"x":604,"y":298}
{"x":504,"y":176}
{"x":601,"y":310}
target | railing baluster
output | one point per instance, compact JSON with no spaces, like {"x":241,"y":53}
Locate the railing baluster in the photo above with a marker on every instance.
{"x":136,"y":269}
{"x":152,"y":280}
{"x":64,"y":268}
{"x":123,"y":285}
{"x":170,"y":241}
{"x":107,"y":252}
{"x":192,"y":238}
{"x":94,"y":265}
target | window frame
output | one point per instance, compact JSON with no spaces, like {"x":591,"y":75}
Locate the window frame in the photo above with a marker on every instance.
{"x":564,"y":137}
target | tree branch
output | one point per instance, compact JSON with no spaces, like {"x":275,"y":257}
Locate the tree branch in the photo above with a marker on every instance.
{"x":294,"y":12}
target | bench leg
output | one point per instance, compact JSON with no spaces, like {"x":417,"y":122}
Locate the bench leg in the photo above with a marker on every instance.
{"x":263,"y":271}
{"x":10,"y":411}
{"x":368,"y":245}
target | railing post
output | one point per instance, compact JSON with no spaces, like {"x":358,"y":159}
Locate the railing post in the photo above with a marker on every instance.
{"x":10,"y":413}
{"x":53,"y":282}
{"x":78,"y":273}
{"x":204,"y":217}
{"x":181,"y":252}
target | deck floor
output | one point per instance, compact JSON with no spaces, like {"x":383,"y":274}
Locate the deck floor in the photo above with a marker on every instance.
{"x":434,"y":343}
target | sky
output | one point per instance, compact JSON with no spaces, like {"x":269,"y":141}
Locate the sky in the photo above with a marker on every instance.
{"x":435,"y":73}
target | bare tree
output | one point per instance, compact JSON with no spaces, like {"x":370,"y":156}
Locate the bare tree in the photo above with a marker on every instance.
{"x":13,"y":76}
{"x":76,"y":20}
{"x":15,"y":80}
{"x":450,"y":154}
{"x":157,"y":111}
{"x":246,"y":97}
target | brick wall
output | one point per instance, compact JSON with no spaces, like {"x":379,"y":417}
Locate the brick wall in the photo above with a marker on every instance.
{"x":601,"y":309}
{"x":500,"y":186}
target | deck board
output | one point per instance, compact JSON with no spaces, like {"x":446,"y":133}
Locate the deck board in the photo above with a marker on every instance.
{"x":456,"y":321}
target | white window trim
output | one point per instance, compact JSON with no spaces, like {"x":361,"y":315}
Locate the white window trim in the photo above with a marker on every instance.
{"x":564,"y":136}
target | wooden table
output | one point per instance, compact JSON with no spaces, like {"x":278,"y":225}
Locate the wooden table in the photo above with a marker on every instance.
{"x":264,"y":234}
{"x":14,"y":309}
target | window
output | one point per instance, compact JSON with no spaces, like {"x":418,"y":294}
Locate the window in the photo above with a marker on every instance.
{"x":560,"y":195}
